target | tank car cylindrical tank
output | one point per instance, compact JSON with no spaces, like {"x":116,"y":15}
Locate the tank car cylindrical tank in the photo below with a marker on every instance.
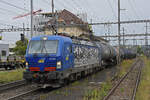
{"x":107,"y":51}
{"x":108,"y":54}
{"x":121,"y":52}
{"x":128,"y":53}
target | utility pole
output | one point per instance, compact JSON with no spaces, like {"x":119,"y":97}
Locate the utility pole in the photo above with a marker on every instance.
{"x":123,"y":36}
{"x":106,"y":36}
{"x":119,"y":30}
{"x":53,"y":8}
{"x":146,"y":35}
{"x":23,"y":28}
{"x":56,"y":21}
{"x":136,"y":42}
{"x":31,"y":18}
{"x":53,"y":16}
{"x":133,"y":41}
{"x":109,"y":32}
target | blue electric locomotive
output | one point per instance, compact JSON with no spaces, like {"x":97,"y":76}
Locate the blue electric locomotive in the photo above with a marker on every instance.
{"x":55,"y":60}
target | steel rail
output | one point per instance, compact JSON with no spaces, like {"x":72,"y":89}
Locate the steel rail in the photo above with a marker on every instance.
{"x":116,"y":86}
{"x":24,"y":94}
{"x":137,"y":82}
{"x":12,"y":85}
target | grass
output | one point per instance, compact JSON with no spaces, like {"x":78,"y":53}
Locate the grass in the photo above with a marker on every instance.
{"x":124,"y":67}
{"x":98,"y":93}
{"x":143,"y":92}
{"x":9,"y":76}
{"x":121,"y":89}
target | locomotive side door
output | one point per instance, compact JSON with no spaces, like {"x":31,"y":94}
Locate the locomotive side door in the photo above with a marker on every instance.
{"x":68,"y":55}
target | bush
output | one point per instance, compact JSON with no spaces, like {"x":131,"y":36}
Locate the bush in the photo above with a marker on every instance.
{"x":21,"y":47}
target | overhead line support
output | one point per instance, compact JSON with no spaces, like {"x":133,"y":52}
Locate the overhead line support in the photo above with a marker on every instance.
{"x":119,"y":29}
{"x":31,"y":18}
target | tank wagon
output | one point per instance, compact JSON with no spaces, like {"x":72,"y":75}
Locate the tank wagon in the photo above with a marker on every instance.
{"x":128,"y":53}
{"x":55,"y":60}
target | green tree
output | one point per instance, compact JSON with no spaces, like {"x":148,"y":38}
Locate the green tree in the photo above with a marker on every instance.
{"x":21,"y":47}
{"x":0,"y":37}
{"x":139,"y":50}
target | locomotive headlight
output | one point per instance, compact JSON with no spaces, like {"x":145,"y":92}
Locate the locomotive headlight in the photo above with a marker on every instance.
{"x":59,"y":65}
{"x":44,"y":38}
{"x":27,"y":65}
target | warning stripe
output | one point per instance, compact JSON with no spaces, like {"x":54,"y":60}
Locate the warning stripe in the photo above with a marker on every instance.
{"x":34,"y":68}
{"x":50,"y":69}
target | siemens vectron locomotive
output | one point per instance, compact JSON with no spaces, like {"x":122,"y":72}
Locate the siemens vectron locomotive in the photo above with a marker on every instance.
{"x":56,"y":60}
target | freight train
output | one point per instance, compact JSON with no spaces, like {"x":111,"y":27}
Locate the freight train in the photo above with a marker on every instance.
{"x":56,"y":60}
{"x":9,"y":61}
{"x":12,"y":62}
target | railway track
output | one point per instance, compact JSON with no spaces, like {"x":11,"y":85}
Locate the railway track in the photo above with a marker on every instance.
{"x":24,"y":94}
{"x":16,"y":90}
{"x":12,"y":85}
{"x":35,"y":93}
{"x":126,"y":88}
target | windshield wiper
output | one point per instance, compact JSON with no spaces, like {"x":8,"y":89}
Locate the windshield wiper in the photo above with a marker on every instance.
{"x":44,"y":48}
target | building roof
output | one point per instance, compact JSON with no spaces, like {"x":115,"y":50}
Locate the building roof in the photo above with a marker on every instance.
{"x":67,"y":17}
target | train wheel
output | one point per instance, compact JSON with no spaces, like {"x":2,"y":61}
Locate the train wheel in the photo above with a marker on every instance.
{"x":6,"y":68}
{"x":83,"y":74}
{"x":13,"y":67}
{"x":72,"y":78}
{"x":66,"y":81}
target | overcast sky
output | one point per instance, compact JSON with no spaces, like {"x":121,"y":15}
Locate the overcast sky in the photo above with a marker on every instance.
{"x":97,"y":10}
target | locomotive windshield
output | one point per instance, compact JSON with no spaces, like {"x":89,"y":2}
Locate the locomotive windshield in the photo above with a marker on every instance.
{"x":44,"y":47}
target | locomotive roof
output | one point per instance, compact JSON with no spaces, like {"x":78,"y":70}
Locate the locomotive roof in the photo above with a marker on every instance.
{"x":53,"y":37}
{"x":3,"y":42}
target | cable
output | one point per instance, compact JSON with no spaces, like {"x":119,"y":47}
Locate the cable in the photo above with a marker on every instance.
{"x":89,"y":7}
{"x":47,"y":3}
{"x":8,"y":10}
{"x":8,"y":25}
{"x":113,"y":12}
{"x":78,"y":6}
{"x":4,"y":2}
{"x":132,"y":7}
{"x":139,"y":10}
{"x":3,"y":13}
{"x":66,"y":5}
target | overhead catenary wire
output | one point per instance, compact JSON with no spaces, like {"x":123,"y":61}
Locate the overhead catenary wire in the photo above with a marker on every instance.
{"x":112,"y":9}
{"x":64,"y":5}
{"x":89,"y":9}
{"x":132,"y":7}
{"x":47,"y":3}
{"x":12,"y":5}
{"x":10,"y":11}
{"x":138,"y":8}
{"x":8,"y":25}
{"x":77,"y":5}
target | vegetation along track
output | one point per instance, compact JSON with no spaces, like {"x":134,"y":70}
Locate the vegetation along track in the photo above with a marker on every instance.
{"x":126,"y":87}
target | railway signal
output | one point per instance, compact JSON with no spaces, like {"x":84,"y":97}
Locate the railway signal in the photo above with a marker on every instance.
{"x":22,"y":37}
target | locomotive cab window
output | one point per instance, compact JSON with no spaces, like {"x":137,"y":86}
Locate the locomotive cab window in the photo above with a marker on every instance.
{"x":3,"y":53}
{"x":43,"y":47}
